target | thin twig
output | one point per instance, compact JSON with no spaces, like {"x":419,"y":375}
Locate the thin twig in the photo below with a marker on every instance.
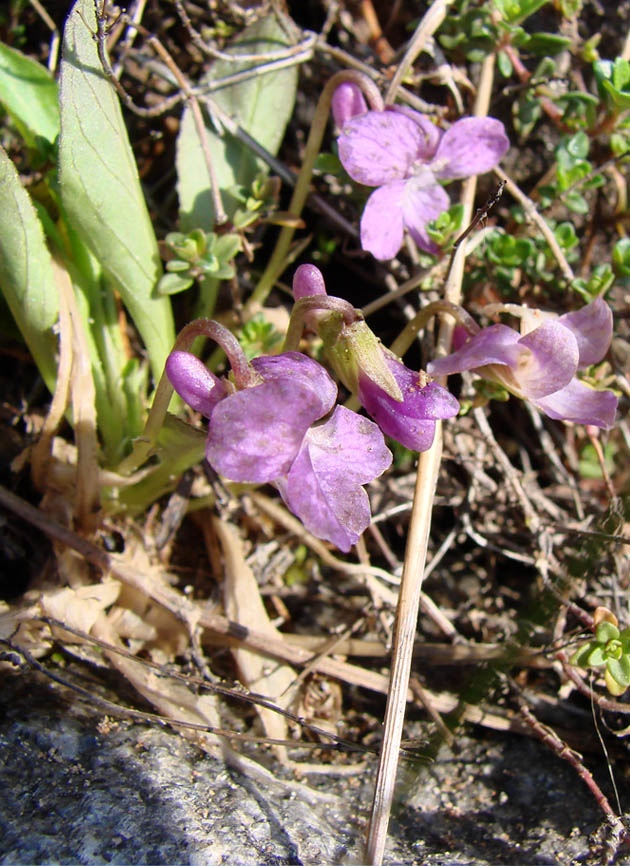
{"x":532,"y":212}
{"x":553,"y":741}
{"x":431,"y":20}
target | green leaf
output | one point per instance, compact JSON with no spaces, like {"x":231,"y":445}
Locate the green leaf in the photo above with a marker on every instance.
{"x":581,"y":656}
{"x":546,"y":43}
{"x":516,"y":11}
{"x":26,"y":276}
{"x":620,"y":670}
{"x":29,"y":93}
{"x":578,"y":145}
{"x":613,"y":78}
{"x":261,"y":105}
{"x":171,"y":284}
{"x":566,"y":236}
{"x":576,"y":202}
{"x":606,"y":631}
{"x":596,"y":657}
{"x":505,"y":64}
{"x":100,"y":188}
{"x":621,"y":257}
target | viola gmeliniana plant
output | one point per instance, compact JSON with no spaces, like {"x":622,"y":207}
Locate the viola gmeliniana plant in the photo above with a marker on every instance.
{"x":298,"y":391}
{"x":275,"y":421}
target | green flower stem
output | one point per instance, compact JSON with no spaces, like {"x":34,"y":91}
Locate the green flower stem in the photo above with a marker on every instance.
{"x":244,"y":375}
{"x":277,"y":262}
{"x":190,"y":450}
{"x":315,"y":303}
{"x":420,"y":320}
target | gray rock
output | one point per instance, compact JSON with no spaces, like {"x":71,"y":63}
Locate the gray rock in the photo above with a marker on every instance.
{"x":75,"y":792}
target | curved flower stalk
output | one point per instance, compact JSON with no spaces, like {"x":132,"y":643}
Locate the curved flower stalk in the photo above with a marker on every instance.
{"x":405,"y":404}
{"x":404,"y":155}
{"x":540,"y":365}
{"x":264,"y":430}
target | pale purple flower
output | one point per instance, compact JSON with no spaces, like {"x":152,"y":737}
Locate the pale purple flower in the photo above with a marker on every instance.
{"x":412,"y":421}
{"x":406,"y":156}
{"x":324,"y":485}
{"x":267,"y":433}
{"x":405,"y":404}
{"x":541,"y":366}
{"x":347,"y":101}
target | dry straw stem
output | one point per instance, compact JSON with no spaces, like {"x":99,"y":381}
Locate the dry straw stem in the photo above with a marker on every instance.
{"x":532,"y":212}
{"x":435,"y":14}
{"x":415,"y":558}
{"x":74,"y":379}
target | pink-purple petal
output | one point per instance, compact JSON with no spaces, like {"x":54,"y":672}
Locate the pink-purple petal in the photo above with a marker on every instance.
{"x":431,"y":134}
{"x":497,"y":344}
{"x":308,"y":280}
{"x":319,"y":390}
{"x":552,"y":363}
{"x":592,"y":327}
{"x":347,"y":102}
{"x":382,"y":221}
{"x":255,"y":434}
{"x":324,"y":485}
{"x":424,"y":200}
{"x":472,"y":145}
{"x":581,"y":405}
{"x":194,"y":383}
{"x":412,"y":421}
{"x":379,"y":147}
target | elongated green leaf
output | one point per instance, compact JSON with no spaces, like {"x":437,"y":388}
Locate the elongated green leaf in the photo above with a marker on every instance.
{"x":100,"y":187}
{"x":29,"y":93}
{"x":26,"y":276}
{"x":261,"y":105}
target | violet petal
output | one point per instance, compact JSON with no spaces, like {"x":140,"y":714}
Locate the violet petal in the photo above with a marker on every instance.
{"x":581,"y":405}
{"x":308,"y":280}
{"x":347,"y":102}
{"x":319,"y":389}
{"x":473,"y":145}
{"x":431,"y":134}
{"x":592,"y":327}
{"x":324,"y":485}
{"x":412,"y":422}
{"x":382,"y":221}
{"x":497,"y":344}
{"x":255,"y":434}
{"x":379,"y":147}
{"x":194,"y":383}
{"x":424,"y":200}
{"x":550,"y":362}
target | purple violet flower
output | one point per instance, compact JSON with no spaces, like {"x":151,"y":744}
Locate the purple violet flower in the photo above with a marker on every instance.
{"x":412,"y":422}
{"x":402,"y":153}
{"x":324,"y":485}
{"x":541,"y":365}
{"x":347,"y":101}
{"x":266,"y":433}
{"x":405,"y":404}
